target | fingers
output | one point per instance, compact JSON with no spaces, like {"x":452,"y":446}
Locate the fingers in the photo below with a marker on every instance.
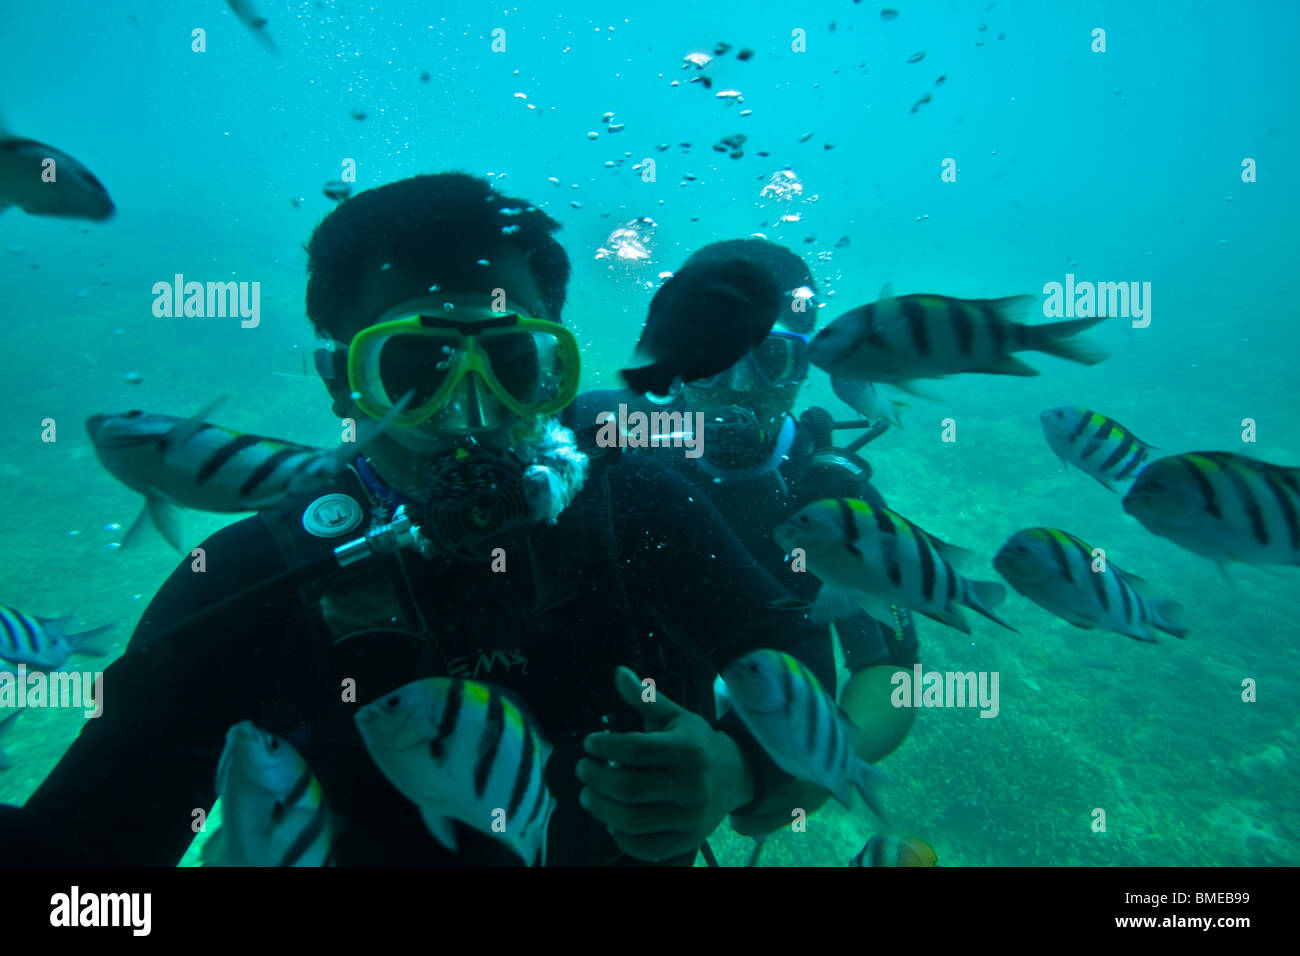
{"x":658,"y":749}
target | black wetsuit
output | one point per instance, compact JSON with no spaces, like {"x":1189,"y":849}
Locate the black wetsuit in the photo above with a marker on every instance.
{"x":639,"y":571}
{"x":755,"y":506}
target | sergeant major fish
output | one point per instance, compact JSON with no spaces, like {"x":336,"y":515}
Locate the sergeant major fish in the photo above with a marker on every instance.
{"x":190,"y":463}
{"x":872,"y":558}
{"x":25,"y":170}
{"x":42,"y":641}
{"x":273,"y":812}
{"x":899,"y":339}
{"x":462,"y":750}
{"x":888,"y":849}
{"x":1223,"y":506}
{"x":865,"y":399}
{"x":1054,"y":569}
{"x":798,"y":724}
{"x":1098,"y":446}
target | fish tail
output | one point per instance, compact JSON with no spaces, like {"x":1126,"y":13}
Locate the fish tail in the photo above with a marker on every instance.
{"x":656,"y":378}
{"x":867,"y":779}
{"x":1167,"y":616}
{"x":538,"y":857}
{"x":84,"y":642}
{"x":1055,"y":338}
{"x":983,"y":596}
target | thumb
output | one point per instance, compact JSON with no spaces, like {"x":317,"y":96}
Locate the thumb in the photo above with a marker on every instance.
{"x":653,"y":707}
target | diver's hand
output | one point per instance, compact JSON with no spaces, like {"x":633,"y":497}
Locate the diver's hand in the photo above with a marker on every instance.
{"x":673,"y":784}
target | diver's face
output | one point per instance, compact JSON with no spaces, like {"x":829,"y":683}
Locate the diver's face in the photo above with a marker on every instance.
{"x":401,"y":455}
{"x":739,"y":387}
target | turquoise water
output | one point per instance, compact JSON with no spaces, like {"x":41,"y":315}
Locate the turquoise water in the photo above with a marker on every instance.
{"x":1116,"y":166}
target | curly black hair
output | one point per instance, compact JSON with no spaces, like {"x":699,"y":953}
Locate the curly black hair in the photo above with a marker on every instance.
{"x":449,"y":219}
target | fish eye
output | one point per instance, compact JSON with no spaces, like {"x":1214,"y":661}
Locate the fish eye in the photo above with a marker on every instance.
{"x":392,"y":702}
{"x":133,"y":413}
{"x":273,"y":743}
{"x":803,"y":519}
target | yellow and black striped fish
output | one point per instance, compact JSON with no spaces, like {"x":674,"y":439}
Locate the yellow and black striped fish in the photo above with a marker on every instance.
{"x":273,"y":812}
{"x":43,"y":642}
{"x":798,"y":724}
{"x":1224,"y":506}
{"x":873,"y":559}
{"x":1055,"y":570}
{"x":463,"y":750}
{"x":898,"y":339}
{"x":888,"y":849}
{"x":190,"y":463}
{"x":1096,"y":445}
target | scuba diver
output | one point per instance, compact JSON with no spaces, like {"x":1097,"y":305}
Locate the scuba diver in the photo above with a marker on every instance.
{"x":476,"y":539}
{"x":759,"y":465}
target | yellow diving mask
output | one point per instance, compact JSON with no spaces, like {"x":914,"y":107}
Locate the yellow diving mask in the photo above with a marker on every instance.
{"x":464,"y":362}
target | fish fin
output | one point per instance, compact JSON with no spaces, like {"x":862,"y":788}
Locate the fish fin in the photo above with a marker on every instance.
{"x":983,"y":596}
{"x":1107,"y":483}
{"x":1229,"y":579}
{"x":1168,"y":617}
{"x":369,"y":431}
{"x":1012,"y":308}
{"x":6,"y":759}
{"x":1007,"y":365}
{"x":909,"y":386}
{"x":955,"y":555}
{"x":182,"y":431}
{"x":886,"y":292}
{"x":136,"y":531}
{"x":656,"y":379}
{"x":952,"y":617}
{"x":752,"y":859}
{"x":1055,"y":339}
{"x":866,"y":779}
{"x":85,"y":643}
{"x":442,"y":828}
{"x":721,"y":700}
{"x":166,"y":518}
{"x":213,"y":851}
{"x":832,"y":603}
{"x":544,"y":827}
{"x":894,"y":416}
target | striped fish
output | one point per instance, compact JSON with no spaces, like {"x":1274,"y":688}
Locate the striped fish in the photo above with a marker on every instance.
{"x":273,"y":812}
{"x":873,"y":558}
{"x":865,"y":399}
{"x":1096,"y":445}
{"x":190,"y":463}
{"x":42,"y":641}
{"x":888,"y":849}
{"x":899,"y":339}
{"x":1054,"y":569}
{"x":467,"y":751}
{"x":1224,"y":506}
{"x":798,"y":724}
